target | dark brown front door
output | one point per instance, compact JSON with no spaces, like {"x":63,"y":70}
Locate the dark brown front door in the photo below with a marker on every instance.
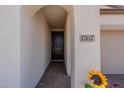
{"x":57,"y":46}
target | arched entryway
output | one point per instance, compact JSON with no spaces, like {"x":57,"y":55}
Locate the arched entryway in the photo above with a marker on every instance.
{"x":40,"y":26}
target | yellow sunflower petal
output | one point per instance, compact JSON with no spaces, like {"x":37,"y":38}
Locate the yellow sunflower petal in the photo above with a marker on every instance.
{"x":101,"y":76}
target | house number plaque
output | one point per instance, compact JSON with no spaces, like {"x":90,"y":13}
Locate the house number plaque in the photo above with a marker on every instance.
{"x":87,"y":38}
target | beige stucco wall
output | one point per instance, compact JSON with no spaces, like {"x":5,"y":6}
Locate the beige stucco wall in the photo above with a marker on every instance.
{"x":26,"y":36}
{"x":112,"y":51}
{"x":87,"y":54}
{"x":35,"y":47}
{"x":112,"y":19}
{"x":112,"y":22}
{"x":32,"y":40}
{"x":67,"y":45}
{"x":10,"y":46}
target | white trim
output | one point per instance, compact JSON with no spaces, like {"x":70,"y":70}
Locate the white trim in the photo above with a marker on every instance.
{"x":57,"y":29}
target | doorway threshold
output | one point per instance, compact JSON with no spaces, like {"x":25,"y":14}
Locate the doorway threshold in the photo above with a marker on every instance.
{"x":57,"y":60}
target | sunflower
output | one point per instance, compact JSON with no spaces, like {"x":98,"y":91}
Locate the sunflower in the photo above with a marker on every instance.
{"x":98,"y":80}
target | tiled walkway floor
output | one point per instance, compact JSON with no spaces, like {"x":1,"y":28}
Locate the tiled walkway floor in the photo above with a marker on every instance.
{"x":55,"y":77}
{"x":116,"y":80}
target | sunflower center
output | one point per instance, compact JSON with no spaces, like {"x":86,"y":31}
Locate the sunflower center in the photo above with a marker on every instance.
{"x":97,"y":80}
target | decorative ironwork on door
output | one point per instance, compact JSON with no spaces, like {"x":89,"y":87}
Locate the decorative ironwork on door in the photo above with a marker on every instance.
{"x":57,"y":46}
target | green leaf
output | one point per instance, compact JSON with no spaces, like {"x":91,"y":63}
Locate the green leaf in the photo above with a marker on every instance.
{"x":88,"y":86}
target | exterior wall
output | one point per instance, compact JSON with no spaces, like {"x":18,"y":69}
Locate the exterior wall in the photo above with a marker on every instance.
{"x":87,"y":54}
{"x":33,"y":39}
{"x":26,"y":51}
{"x":67,"y":45}
{"x":84,"y":56}
{"x":10,"y":46}
{"x":112,"y":21}
{"x":112,"y":51}
{"x":35,"y":47}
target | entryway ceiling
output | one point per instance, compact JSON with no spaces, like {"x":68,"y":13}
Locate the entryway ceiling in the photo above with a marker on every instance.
{"x":55,"y":15}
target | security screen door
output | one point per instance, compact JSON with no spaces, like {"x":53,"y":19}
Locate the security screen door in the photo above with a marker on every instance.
{"x":57,"y":46}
